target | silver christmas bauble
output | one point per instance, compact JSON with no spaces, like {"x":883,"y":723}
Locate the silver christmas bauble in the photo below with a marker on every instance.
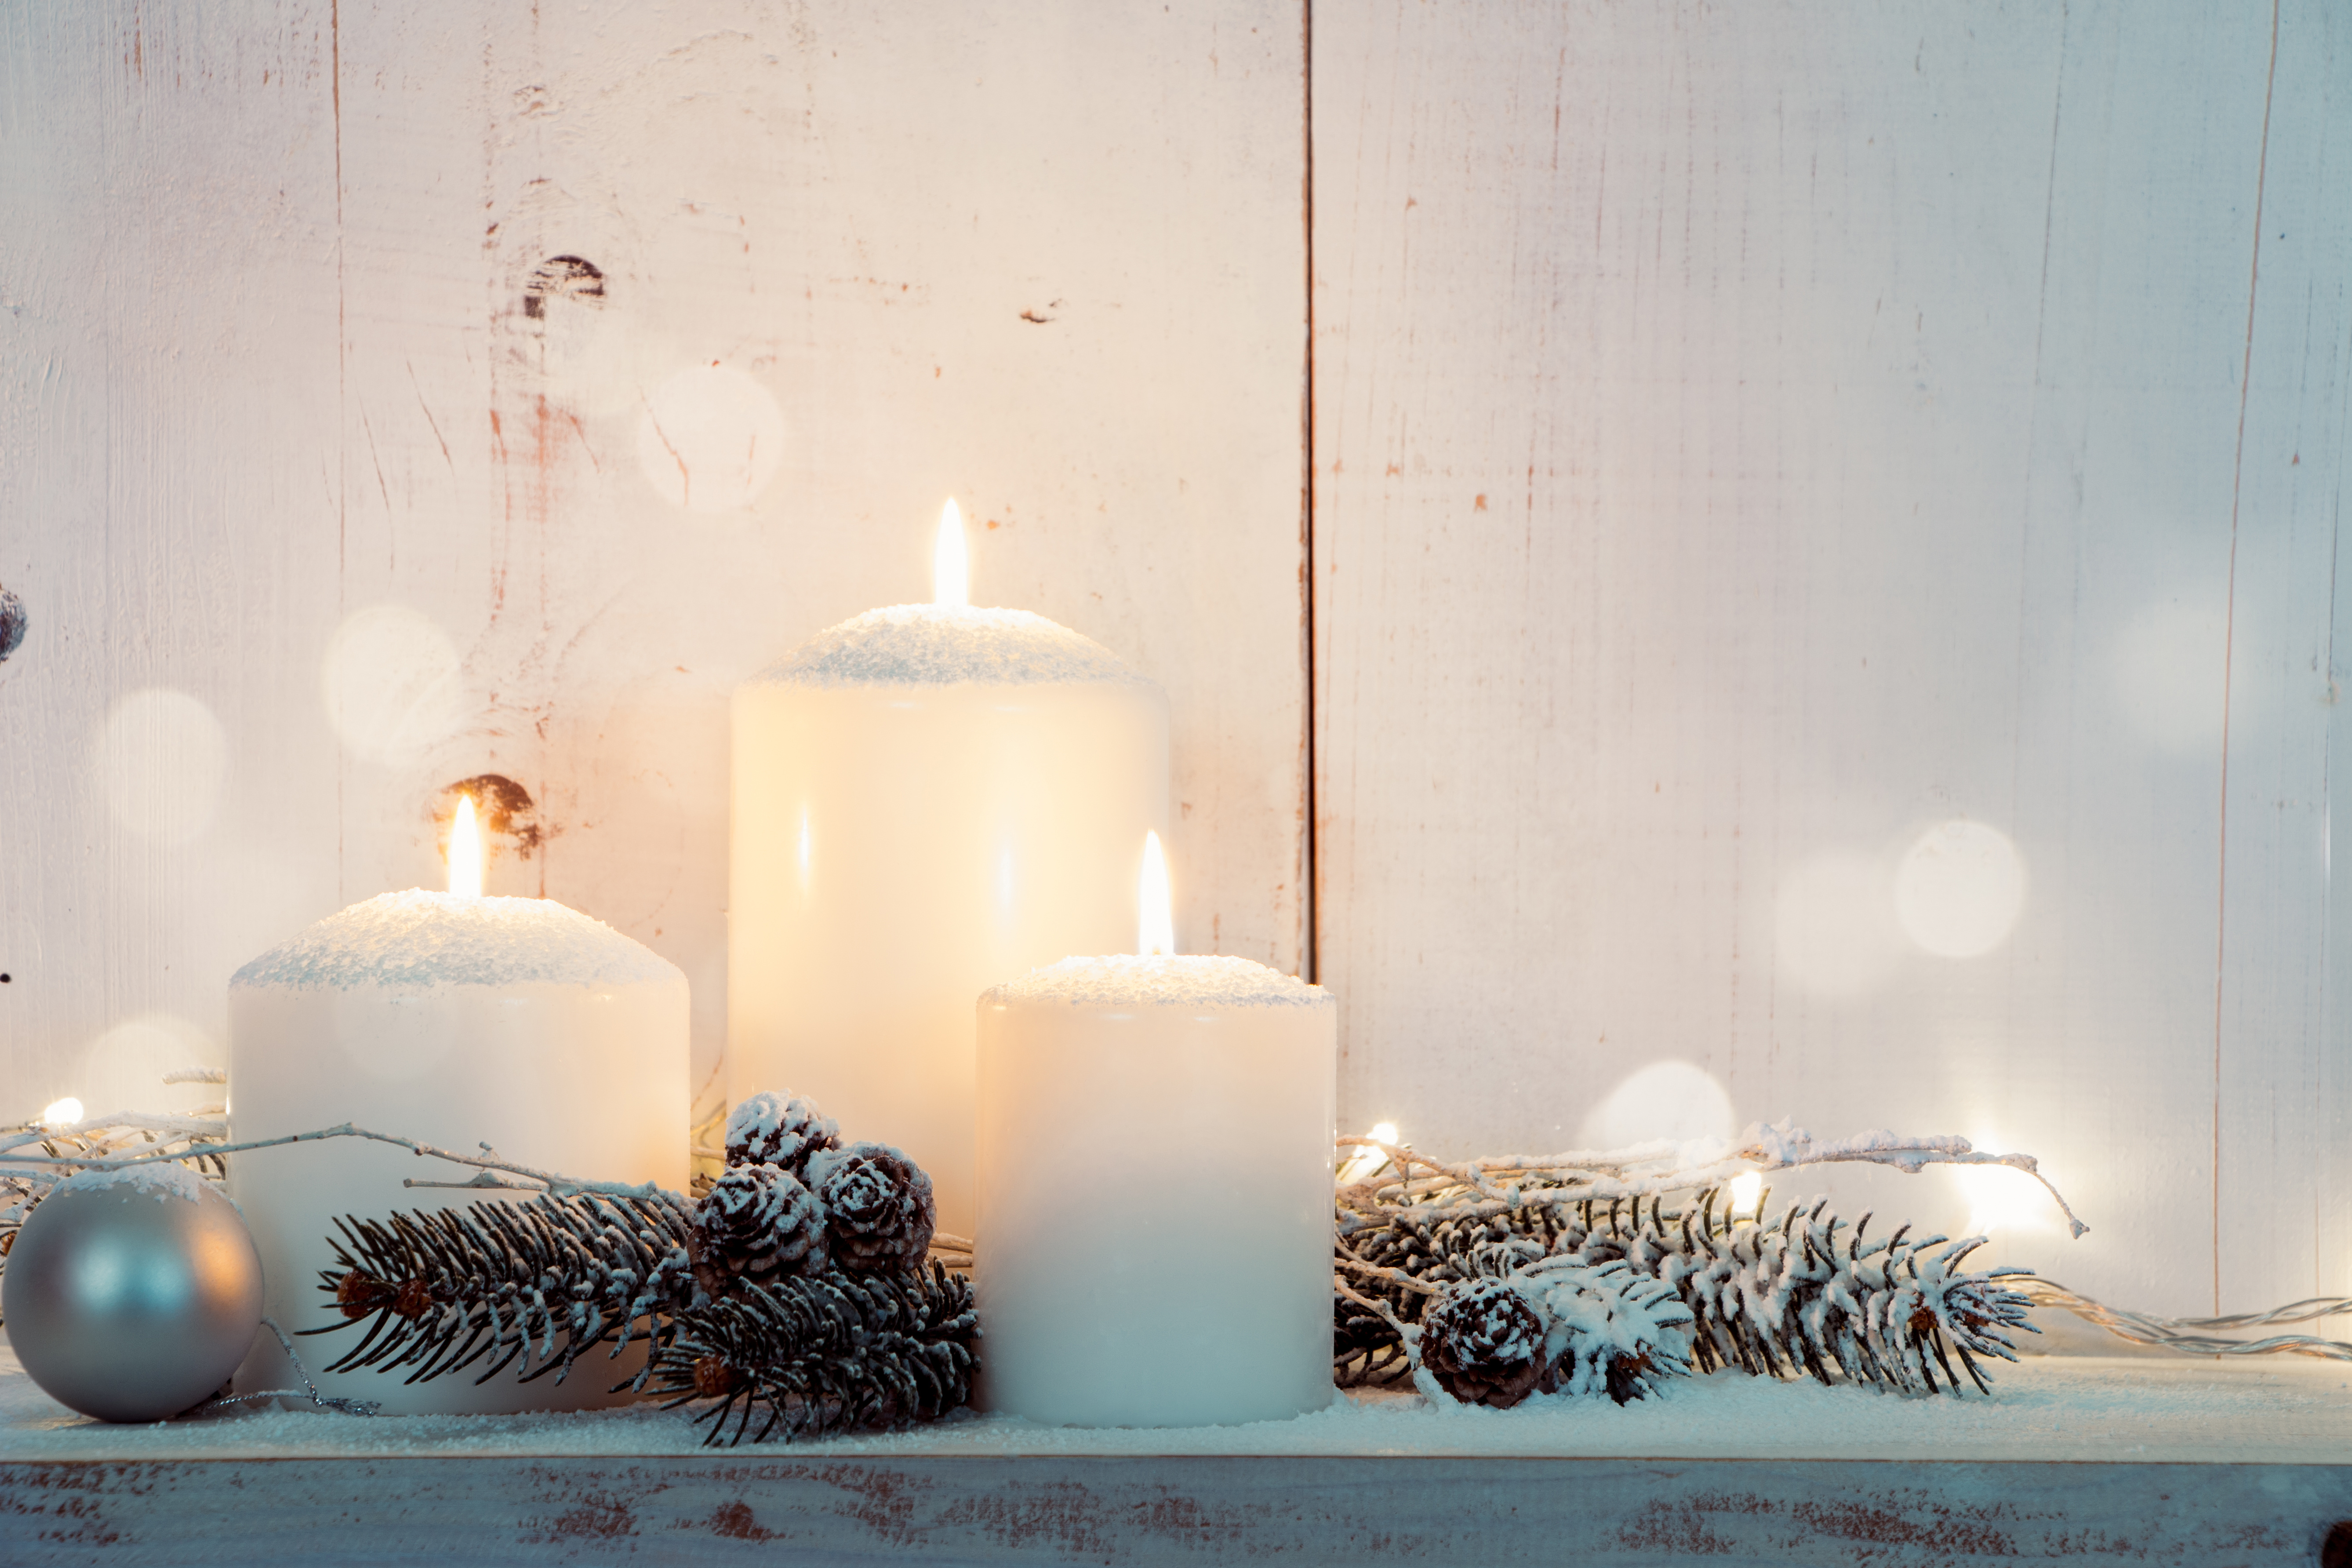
{"x":130,"y":1295}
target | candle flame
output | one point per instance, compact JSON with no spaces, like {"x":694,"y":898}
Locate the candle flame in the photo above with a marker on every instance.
{"x":950,"y":573}
{"x":466,"y":850}
{"x":1156,"y":923}
{"x":62,"y":1113}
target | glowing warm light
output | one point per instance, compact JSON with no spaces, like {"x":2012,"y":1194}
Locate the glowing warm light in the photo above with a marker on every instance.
{"x":466,"y":850}
{"x":1156,"y":921}
{"x":1747,"y":1192}
{"x":62,"y":1113}
{"x":950,"y":572}
{"x":1960,"y":889}
{"x":1364,"y":1161}
{"x":2002,"y":1200}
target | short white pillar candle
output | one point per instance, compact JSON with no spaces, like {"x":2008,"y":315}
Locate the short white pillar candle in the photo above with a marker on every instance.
{"x":456,"y":1020}
{"x":927,"y":798}
{"x":1155,"y":1187}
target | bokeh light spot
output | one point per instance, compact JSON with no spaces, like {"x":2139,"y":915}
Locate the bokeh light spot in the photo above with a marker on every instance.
{"x":393,"y":684}
{"x":1670,"y":1100}
{"x":1960,"y":889}
{"x":710,"y":439}
{"x":124,"y":1069}
{"x":163,"y":758}
{"x":1832,"y":936}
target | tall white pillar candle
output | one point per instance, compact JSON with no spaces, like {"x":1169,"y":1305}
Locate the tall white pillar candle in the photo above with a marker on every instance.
{"x":925,"y":799}
{"x":1155,"y":1189}
{"x":454,"y":1020}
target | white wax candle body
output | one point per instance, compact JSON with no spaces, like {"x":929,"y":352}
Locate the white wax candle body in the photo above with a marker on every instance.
{"x":925,"y":800}
{"x":1155,"y":1161}
{"x":513,"y":1022}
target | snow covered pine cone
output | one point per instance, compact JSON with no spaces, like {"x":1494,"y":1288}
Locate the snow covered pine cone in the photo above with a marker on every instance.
{"x":1614,"y":1330}
{"x":878,"y":1202}
{"x":757,"y":1223}
{"x":1554,"y":1326}
{"x":1483,"y":1341}
{"x":784,"y":1130}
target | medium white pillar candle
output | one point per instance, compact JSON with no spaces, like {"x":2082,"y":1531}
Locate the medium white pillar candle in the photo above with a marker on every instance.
{"x":1155,"y":1189}
{"x":454,"y":1020}
{"x":925,"y":799}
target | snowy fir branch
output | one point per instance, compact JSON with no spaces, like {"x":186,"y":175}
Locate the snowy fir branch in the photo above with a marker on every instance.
{"x":832,"y":1353}
{"x":501,"y":1282}
{"x":798,"y":1283}
{"x":1802,"y":1294}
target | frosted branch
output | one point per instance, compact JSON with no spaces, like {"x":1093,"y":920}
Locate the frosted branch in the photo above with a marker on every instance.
{"x":550,"y":1181}
{"x":1647,"y":1170}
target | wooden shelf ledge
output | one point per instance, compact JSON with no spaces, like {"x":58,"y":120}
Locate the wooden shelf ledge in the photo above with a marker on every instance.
{"x":2143,"y":1460}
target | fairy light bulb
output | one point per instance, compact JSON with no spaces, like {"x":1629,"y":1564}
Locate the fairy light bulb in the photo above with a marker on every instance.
{"x":1747,"y":1192}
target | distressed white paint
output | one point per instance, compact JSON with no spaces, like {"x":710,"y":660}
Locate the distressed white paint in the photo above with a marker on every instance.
{"x":1749,"y":436}
{"x":266,"y":375}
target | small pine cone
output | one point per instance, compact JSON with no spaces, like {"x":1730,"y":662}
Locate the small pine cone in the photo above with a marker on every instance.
{"x":878,"y":1203}
{"x":779,"y":1129}
{"x":714,"y":1379}
{"x":757,"y":1223}
{"x":359,"y":1294}
{"x":1483,"y":1342}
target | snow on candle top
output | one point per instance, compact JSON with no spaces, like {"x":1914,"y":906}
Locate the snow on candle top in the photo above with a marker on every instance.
{"x":1124,"y":980}
{"x":419,"y":938}
{"x":939,"y":645}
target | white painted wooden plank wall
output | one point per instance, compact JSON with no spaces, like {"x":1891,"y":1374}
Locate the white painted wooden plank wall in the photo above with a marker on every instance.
{"x":1748,"y":436}
{"x":269,"y":368}
{"x":1745,"y":437}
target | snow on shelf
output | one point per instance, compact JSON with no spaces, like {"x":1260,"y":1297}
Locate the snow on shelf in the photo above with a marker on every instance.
{"x":2050,"y":1408}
